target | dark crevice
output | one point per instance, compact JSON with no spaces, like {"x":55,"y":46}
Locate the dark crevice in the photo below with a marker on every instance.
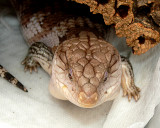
{"x":144,"y":10}
{"x":103,"y":2}
{"x":141,"y":39}
{"x":153,"y":41}
{"x":123,"y":10}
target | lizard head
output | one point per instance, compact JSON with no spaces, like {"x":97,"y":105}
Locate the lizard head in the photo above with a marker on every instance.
{"x":86,"y":70}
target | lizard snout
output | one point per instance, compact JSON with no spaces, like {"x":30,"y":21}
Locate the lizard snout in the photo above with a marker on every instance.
{"x":87,"y":101}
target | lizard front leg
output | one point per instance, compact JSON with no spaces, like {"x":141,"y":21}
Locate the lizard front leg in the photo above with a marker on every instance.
{"x":127,"y":82}
{"x":38,"y":54}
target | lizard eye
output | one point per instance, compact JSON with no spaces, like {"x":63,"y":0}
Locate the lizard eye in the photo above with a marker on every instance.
{"x":105,"y":76}
{"x":70,"y":74}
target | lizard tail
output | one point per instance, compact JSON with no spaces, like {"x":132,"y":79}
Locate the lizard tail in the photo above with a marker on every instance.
{"x":10,"y":78}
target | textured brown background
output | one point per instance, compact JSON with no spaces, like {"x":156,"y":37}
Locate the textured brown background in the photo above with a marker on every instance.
{"x":137,"y":20}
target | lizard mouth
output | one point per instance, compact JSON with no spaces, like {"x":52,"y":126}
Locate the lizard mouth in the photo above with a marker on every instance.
{"x":81,"y":99}
{"x":87,"y":101}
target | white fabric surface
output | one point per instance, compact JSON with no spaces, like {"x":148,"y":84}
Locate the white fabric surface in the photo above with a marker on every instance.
{"x":38,"y":108}
{"x":155,"y":121}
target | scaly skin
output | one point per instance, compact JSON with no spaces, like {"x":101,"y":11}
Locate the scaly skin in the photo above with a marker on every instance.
{"x":10,"y":78}
{"x":85,"y":69}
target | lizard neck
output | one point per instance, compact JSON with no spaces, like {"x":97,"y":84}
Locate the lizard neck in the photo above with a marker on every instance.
{"x":75,"y":27}
{"x":72,"y":27}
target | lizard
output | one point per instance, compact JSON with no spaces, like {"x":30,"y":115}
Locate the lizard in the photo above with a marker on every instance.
{"x":84,"y":68}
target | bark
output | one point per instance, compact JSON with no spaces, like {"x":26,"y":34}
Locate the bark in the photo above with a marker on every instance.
{"x":137,"y":20}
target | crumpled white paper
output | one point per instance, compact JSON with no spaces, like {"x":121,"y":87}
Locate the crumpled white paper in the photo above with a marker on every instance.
{"x":38,"y":108}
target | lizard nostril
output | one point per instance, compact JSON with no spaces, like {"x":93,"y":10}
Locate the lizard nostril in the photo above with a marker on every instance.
{"x":70,"y":74}
{"x":105,"y":76}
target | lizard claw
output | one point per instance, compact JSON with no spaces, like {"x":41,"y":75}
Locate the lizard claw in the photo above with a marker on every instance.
{"x":30,"y":64}
{"x":132,"y":92}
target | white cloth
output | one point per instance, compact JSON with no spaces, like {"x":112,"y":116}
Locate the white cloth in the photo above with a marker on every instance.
{"x":38,"y":108}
